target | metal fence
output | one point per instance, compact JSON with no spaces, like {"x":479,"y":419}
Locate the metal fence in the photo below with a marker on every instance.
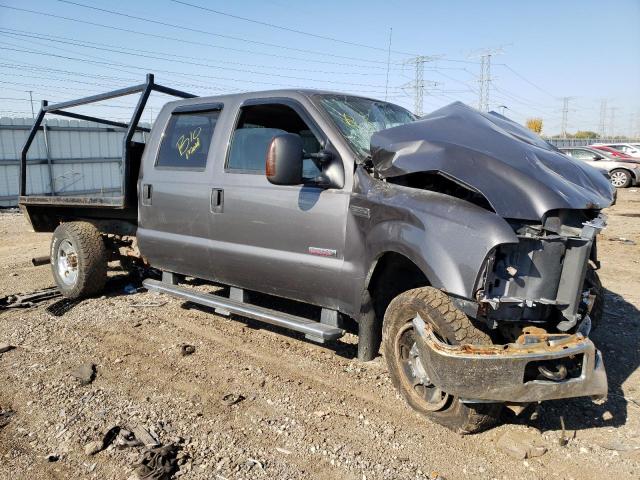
{"x":583,"y":142}
{"x":68,"y":157}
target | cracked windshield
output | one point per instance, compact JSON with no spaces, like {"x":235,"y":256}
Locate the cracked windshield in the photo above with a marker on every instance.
{"x":359,"y":118}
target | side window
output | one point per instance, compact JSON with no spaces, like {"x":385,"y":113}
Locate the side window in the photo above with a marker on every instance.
{"x":583,"y":155}
{"x":185,"y":142}
{"x":257,"y":125}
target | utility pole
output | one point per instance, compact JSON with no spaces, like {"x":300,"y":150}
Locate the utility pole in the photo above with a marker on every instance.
{"x":419,"y":84}
{"x":612,"y":121}
{"x":565,"y":116}
{"x":33,"y":115}
{"x":603,"y":118}
{"x":386,"y":85}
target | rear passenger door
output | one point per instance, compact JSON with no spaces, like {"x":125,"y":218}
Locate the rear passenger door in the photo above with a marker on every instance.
{"x":175,"y":221}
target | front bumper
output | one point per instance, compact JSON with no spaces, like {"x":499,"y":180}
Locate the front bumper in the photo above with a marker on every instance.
{"x":498,"y":373}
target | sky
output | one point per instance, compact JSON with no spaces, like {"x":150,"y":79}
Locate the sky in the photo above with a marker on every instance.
{"x":541,"y":52}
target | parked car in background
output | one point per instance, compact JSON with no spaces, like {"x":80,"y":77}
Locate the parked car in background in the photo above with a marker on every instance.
{"x":628,"y":148}
{"x":623,"y":172}
{"x":612,"y":152}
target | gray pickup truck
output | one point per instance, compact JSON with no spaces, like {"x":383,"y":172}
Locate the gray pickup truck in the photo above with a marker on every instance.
{"x":460,"y":243}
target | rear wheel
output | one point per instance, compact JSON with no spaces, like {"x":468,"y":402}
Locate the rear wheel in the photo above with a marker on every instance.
{"x":78,"y":259}
{"x":620,"y":178}
{"x":453,"y":327}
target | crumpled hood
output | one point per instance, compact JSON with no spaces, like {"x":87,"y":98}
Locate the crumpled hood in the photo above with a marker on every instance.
{"x":520,"y":174}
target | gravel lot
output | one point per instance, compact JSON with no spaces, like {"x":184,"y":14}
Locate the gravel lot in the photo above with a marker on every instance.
{"x":304,"y":411}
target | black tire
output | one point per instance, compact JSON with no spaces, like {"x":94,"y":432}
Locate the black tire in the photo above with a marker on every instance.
{"x":624,"y":178}
{"x":87,"y":260}
{"x":592,"y":282}
{"x":454,"y":327}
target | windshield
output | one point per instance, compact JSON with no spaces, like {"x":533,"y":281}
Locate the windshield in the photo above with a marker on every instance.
{"x":359,"y":118}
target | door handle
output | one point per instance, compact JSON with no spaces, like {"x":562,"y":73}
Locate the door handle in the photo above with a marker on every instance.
{"x":147,"y":193}
{"x":217,"y":200}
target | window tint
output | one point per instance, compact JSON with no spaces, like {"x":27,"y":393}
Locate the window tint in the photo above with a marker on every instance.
{"x":583,"y":154}
{"x":257,"y":125}
{"x":185,"y":142}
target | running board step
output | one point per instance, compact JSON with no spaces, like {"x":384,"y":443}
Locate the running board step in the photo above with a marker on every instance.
{"x":316,"y":331}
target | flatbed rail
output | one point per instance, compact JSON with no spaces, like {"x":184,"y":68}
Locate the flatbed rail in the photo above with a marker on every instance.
{"x":129,"y":193}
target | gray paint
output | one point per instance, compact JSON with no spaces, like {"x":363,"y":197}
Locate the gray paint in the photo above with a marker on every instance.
{"x":262,"y":238}
{"x":521,"y":175}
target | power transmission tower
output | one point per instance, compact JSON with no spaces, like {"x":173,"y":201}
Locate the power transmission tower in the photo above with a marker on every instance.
{"x":612,"y":121}
{"x":419,"y":84}
{"x":485,"y":76}
{"x":603,"y":118}
{"x":565,"y":116}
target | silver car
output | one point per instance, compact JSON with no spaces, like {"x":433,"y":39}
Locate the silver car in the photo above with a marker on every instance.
{"x":622,"y":172}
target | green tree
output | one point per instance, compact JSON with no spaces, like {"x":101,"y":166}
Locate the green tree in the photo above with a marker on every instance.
{"x":586,"y":134}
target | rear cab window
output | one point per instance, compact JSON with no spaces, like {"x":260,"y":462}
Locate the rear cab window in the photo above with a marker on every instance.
{"x":187,"y":137}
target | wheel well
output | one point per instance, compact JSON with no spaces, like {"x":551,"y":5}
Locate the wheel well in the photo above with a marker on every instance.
{"x":628,"y":172}
{"x":393,"y":274}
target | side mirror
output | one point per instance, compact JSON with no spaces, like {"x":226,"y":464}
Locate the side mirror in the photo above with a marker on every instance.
{"x":283,"y":163}
{"x":598,"y":157}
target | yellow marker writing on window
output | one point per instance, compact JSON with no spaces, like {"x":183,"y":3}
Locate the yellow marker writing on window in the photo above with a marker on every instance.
{"x":189,"y":144}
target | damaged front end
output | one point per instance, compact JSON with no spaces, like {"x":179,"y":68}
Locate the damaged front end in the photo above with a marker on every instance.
{"x":541,"y":279}
{"x":536,"y":367}
{"x":532,"y":291}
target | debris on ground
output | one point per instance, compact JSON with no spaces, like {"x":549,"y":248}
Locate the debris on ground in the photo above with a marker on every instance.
{"x":148,"y":304}
{"x":158,"y":463}
{"x":52,"y":457}
{"x":186,"y":349}
{"x":28,"y":300}
{"x":623,"y":240}
{"x":5,"y":417}
{"x":231,"y":399}
{"x":62,"y":306}
{"x":130,"y":289}
{"x":521,"y":445}
{"x":5,"y":347}
{"x":148,"y":438}
{"x":85,"y":373}
{"x":617,"y":445}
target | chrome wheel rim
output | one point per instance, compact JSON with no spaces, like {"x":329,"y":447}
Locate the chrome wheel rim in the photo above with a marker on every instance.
{"x":618,"y":179}
{"x":431,"y":398}
{"x":67,"y":263}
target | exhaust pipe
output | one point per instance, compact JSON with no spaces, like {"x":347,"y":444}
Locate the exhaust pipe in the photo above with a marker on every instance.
{"x":44,"y":260}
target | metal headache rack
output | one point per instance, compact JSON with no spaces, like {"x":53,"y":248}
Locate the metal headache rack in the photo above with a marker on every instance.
{"x":131,"y":150}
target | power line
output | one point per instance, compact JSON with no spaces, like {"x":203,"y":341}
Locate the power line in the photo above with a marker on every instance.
{"x":178,"y":56}
{"x":185,"y":41}
{"x":147,"y":68}
{"x":279,"y":27}
{"x":188,"y":62}
{"x":220,"y":35}
{"x":522,"y":77}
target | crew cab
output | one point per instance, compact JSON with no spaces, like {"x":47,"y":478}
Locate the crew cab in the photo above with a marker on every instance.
{"x":461,"y":243}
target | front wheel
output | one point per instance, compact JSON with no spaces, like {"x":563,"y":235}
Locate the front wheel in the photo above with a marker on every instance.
{"x":453,"y":327}
{"x":620,"y":178}
{"x":78,"y":259}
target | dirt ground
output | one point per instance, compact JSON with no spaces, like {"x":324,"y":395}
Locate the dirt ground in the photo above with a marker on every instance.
{"x":308,"y":411}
